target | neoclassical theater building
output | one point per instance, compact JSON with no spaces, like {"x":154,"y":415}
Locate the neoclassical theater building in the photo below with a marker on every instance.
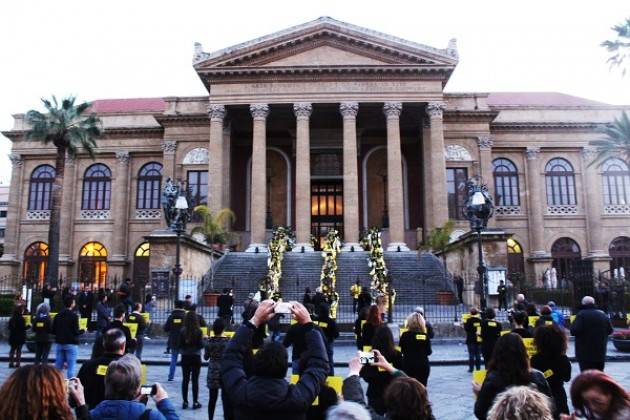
{"x":328,"y":125}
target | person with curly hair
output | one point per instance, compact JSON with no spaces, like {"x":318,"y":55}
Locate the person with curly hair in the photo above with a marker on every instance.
{"x":521,"y":403}
{"x":597,"y":396}
{"x":38,"y":392}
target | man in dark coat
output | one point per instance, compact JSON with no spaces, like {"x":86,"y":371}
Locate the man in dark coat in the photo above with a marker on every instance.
{"x":173,"y":326}
{"x":225,"y":302}
{"x":92,"y":373}
{"x":86,"y":302}
{"x":591,"y":330}
{"x":266,"y":394}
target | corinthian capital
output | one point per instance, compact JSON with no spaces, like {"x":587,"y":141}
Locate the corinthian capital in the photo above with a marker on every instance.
{"x":123,"y":157}
{"x":392,"y":109}
{"x":532,"y":153}
{"x":302,"y":109}
{"x":589,"y":153}
{"x":349,"y":109}
{"x":169,"y":146}
{"x":16,"y":160}
{"x":436,"y":109}
{"x":259,"y":111}
{"x":484,"y":142}
{"x":216,"y":112}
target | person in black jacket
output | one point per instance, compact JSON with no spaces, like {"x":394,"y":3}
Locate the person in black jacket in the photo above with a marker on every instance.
{"x":136,"y":318}
{"x":519,"y":322}
{"x":328,"y":327}
{"x":307,"y":299}
{"x":296,"y":339}
{"x":378,"y":381}
{"x":42,"y":327}
{"x":225,"y":302}
{"x":473,"y":339}
{"x":85,"y":301}
{"x":591,"y":330}
{"x":92,"y":372}
{"x":551,"y":359}
{"x":415,"y":346}
{"x":103,"y":312}
{"x":490,"y":332}
{"x":17,"y":336}
{"x":545,"y":317}
{"x":67,"y":332}
{"x":358,"y":326}
{"x":190,"y":345}
{"x":509,"y":366}
{"x":372,"y":323}
{"x":266,"y":394}
{"x":118,"y":323}
{"x":173,"y":327}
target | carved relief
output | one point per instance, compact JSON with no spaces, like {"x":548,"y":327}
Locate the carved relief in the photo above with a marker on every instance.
{"x":197,"y":156}
{"x":455,"y":152}
{"x":532,"y":153}
{"x":169,"y":146}
{"x":302,"y":109}
{"x":484,"y":142}
{"x":216,"y":112}
{"x":436,"y":109}
{"x":349,"y":109}
{"x":259,"y":111}
{"x":123,"y":157}
{"x":16,"y":160}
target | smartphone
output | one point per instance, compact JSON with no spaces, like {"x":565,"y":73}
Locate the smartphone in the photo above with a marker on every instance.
{"x":282,"y":308}
{"x":147,"y":390}
{"x":366,"y":357}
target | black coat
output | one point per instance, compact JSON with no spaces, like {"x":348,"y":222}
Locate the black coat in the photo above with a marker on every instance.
{"x":493,"y":385}
{"x":470,"y":327}
{"x":416,"y":349}
{"x":130,"y":343}
{"x":523,"y":332}
{"x":93,"y":378}
{"x":557,"y":370}
{"x":591,"y":330}
{"x":43,"y":328}
{"x":225,"y":303}
{"x":173,"y":326}
{"x":378,"y":382}
{"x":17,"y":331}
{"x":367,"y":333}
{"x":490,"y":333}
{"x":272,"y":398}
{"x":329,"y":329}
{"x":66,"y":327}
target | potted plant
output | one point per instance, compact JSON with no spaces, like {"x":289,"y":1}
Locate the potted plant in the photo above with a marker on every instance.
{"x":621,"y":340}
{"x":210,"y":298}
{"x":438,"y":241}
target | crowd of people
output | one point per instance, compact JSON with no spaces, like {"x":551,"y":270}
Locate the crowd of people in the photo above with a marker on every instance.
{"x":249,"y":370}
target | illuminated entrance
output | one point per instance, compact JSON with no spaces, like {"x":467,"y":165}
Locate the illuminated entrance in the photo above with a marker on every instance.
{"x":326,"y":209}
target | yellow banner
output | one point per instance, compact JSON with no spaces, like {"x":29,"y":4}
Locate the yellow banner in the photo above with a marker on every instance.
{"x":133,"y":328}
{"x":572,"y":318}
{"x":27,"y":319}
{"x":83,"y":323}
{"x":479,"y":376}
{"x":204,"y":331}
{"x":530,"y":346}
{"x":367,"y":348}
{"x":532,"y":320}
{"x":229,"y":334}
{"x":143,"y":374}
{"x":465,"y":317}
{"x":146,"y":316}
{"x":335,"y":382}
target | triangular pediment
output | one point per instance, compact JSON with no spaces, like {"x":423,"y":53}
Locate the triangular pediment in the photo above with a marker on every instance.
{"x":325,"y":42}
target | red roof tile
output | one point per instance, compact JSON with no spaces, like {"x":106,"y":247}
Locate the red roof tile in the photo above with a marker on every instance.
{"x":538,"y":99}
{"x":110,"y":106}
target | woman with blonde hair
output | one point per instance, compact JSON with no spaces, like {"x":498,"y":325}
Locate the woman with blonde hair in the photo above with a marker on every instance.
{"x":415,"y":346}
{"x":521,"y":403}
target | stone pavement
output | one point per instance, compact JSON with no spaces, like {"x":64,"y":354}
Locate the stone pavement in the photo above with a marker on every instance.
{"x":449,"y":385}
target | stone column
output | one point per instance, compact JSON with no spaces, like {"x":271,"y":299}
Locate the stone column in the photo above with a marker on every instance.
{"x":535,"y":204}
{"x":593,"y":204}
{"x":169,"y":147}
{"x":259,"y":178}
{"x":12,"y":233}
{"x":302,"y":177}
{"x":394,"y":178}
{"x":485,"y":169}
{"x":437,"y":162}
{"x":120,"y":208}
{"x":67,"y":216}
{"x":216,"y":158}
{"x":349,"y":112}
{"x":427,"y":198}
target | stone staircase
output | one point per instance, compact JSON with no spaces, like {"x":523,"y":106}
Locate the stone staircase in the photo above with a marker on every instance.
{"x":416,"y":276}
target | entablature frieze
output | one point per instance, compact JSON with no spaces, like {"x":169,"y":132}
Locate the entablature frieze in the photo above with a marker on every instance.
{"x":546,"y":126}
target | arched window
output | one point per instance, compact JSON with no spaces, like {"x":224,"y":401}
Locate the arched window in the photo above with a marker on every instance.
{"x":560,"y":183}
{"x":93,"y":264}
{"x":40,"y":188}
{"x":566,"y":258}
{"x":97,"y":188}
{"x":619,"y":251}
{"x":35,"y":262}
{"x":141,"y":261}
{"x":506,"y":191}
{"x":149,"y":185}
{"x":616,"y":182}
{"x":515,"y":262}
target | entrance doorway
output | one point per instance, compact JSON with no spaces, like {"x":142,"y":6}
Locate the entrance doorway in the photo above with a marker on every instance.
{"x":326,"y":209}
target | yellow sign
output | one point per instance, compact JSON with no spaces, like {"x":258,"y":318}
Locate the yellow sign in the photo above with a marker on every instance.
{"x":146,"y":316}
{"x":177,"y":321}
{"x":548,"y":373}
{"x":367,"y":348}
{"x":53,"y":315}
{"x":101,"y":370}
{"x":39,"y":324}
{"x":335,"y":382}
{"x":492,"y":324}
{"x":204,"y":331}
{"x":532,"y":320}
{"x":133,"y":328}
{"x":27,"y":319}
{"x":143,"y":374}
{"x":479,"y":376}
{"x":421,"y":337}
{"x":322,"y":324}
{"x":505,"y":332}
{"x":530,"y":346}
{"x":572,"y":318}
{"x":83,"y":323}
{"x":465,"y":317}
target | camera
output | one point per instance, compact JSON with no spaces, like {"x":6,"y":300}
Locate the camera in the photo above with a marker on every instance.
{"x":148,"y":389}
{"x":282,"y":308}
{"x":366,"y":357}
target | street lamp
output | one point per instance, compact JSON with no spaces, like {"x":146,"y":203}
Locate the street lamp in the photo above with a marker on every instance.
{"x":177,"y":215}
{"x":478,"y":209}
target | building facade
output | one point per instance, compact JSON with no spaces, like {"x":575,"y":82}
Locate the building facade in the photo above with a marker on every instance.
{"x":328,"y":125}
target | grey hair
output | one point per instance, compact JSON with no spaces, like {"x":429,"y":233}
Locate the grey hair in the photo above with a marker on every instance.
{"x":113,"y":340}
{"x":419,"y":309}
{"x":122,"y":379}
{"x":521,"y":403}
{"x":348,"y":410}
{"x":43,"y":308}
{"x":520,"y":297}
{"x":588,"y":300}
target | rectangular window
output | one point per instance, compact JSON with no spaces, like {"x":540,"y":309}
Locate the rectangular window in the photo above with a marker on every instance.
{"x":456,"y":189}
{"x":197,"y":182}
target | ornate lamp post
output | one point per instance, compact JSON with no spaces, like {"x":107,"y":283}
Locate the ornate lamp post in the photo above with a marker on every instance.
{"x":177,"y":215}
{"x":478,"y":209}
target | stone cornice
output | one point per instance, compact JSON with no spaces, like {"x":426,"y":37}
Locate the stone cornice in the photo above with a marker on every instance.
{"x":15,"y":135}
{"x":469,"y":116}
{"x":353,"y":70}
{"x":546,"y":126}
{"x":193,"y":120}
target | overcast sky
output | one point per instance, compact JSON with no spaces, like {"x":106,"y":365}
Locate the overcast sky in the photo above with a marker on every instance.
{"x":137,"y":48}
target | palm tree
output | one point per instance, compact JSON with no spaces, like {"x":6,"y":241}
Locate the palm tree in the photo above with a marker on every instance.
{"x":439,"y":238}
{"x":620,"y":47}
{"x":214,"y":226}
{"x":616,"y":141}
{"x":68,"y":128}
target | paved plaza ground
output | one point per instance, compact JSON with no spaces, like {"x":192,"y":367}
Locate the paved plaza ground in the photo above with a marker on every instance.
{"x":449,"y":383}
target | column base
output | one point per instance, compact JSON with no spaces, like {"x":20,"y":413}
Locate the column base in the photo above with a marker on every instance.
{"x":351,"y":247}
{"x":397,"y":247}
{"x":257,"y":248}
{"x":302,"y":247}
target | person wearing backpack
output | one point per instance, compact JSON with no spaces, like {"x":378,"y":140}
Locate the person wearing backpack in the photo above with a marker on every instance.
{"x":42,"y":327}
